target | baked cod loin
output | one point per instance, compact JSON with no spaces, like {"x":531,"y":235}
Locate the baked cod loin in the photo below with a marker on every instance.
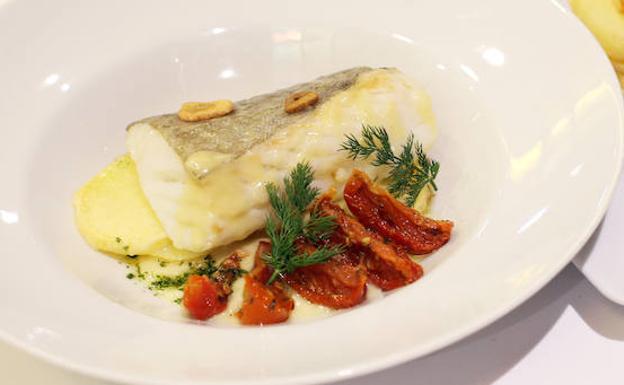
{"x":205,"y":181}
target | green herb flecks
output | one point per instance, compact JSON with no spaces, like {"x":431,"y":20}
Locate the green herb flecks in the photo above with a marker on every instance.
{"x":205,"y":267}
{"x":139,"y":272}
{"x":166,"y":282}
{"x":410,"y":171}
{"x":289,"y":223}
{"x":125,"y":247}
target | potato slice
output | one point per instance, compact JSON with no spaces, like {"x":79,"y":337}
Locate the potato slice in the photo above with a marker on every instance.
{"x":168,"y":252}
{"x":113,"y":215}
{"x":605,"y":19}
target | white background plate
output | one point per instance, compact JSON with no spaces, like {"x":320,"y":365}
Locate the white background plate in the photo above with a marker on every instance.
{"x":600,"y":259}
{"x":530,"y":151}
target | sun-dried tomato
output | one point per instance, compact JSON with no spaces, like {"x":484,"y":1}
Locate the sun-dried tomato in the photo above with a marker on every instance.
{"x":338,"y":283}
{"x":387,"y":266}
{"x":264,"y":304}
{"x":379,"y":211}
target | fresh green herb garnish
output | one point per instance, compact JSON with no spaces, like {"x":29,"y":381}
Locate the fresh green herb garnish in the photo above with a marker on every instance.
{"x":318,"y":227}
{"x":410,"y":171}
{"x":130,"y":276}
{"x":165,"y":281}
{"x":290,"y":223}
{"x":178,"y":300}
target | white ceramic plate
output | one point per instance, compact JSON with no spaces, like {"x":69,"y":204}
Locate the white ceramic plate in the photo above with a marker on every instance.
{"x":530,"y":121}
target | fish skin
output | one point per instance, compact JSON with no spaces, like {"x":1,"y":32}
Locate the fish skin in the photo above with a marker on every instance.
{"x":254,"y":120}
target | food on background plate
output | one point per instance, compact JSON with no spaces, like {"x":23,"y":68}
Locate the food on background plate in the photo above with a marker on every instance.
{"x":605,"y":19}
{"x":303,"y":199}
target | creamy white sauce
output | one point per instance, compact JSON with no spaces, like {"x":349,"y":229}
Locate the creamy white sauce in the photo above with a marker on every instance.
{"x":304,"y":311}
{"x":151,"y":268}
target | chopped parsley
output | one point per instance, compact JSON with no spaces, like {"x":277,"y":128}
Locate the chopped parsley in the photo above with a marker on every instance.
{"x":139,"y":272}
{"x":166,"y":281}
{"x":163,"y":282}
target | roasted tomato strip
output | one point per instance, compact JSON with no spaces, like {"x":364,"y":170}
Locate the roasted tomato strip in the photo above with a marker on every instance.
{"x":384,"y":273}
{"x":264,"y":304}
{"x":379,"y":211}
{"x":205,"y":297}
{"x":387,"y":266}
{"x":338,"y":283}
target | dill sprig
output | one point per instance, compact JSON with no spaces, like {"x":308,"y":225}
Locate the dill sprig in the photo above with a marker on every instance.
{"x":410,"y":171}
{"x":290,"y":222}
{"x":318,"y":227}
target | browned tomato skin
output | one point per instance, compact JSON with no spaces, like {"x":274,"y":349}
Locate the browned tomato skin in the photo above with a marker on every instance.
{"x":202,"y":298}
{"x":387,"y":266}
{"x":337,"y":283}
{"x":389,"y":274}
{"x":227,"y":273}
{"x":264,"y":304}
{"x":379,"y":211}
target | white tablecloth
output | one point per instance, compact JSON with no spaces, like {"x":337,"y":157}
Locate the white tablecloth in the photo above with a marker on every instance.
{"x":566,"y":334}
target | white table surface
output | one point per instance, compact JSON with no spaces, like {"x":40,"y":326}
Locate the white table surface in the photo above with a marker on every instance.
{"x":568,"y":333}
